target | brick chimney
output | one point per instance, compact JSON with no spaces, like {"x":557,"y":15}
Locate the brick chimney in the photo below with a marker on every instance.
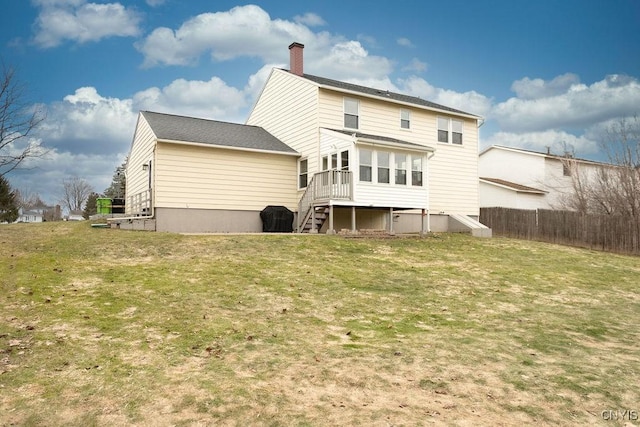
{"x":296,"y":60}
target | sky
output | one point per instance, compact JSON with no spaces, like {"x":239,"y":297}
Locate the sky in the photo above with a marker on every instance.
{"x":543,"y":74}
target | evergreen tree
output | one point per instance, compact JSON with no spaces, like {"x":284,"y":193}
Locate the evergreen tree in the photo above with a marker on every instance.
{"x":8,"y":202}
{"x":118,"y":185}
{"x":91,"y":207}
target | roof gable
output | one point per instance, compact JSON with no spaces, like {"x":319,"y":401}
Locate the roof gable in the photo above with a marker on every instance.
{"x":383,"y":94}
{"x":172,"y":128}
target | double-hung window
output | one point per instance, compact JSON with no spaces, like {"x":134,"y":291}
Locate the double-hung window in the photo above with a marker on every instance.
{"x":303,"y":173}
{"x":366,"y":166}
{"x":383,"y":167}
{"x":401,"y":169}
{"x":450,"y":130}
{"x":405,"y":119}
{"x":351,"y":113}
{"x":416,"y":171}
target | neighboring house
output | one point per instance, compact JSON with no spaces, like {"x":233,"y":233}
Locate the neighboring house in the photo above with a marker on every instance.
{"x":525,"y":179}
{"x":75,"y":216}
{"x":341,"y":156}
{"x":32,"y":215}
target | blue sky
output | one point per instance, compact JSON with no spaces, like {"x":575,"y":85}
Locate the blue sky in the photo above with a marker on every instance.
{"x":543,"y":73}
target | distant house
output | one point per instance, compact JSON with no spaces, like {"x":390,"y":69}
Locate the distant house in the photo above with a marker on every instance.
{"x":35,"y":215}
{"x":524,"y":179}
{"x":75,"y":216}
{"x":339,"y":155}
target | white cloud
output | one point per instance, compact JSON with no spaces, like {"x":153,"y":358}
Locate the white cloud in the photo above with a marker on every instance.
{"x":416,"y":66}
{"x":249,"y":31}
{"x":241,"y":31}
{"x":310,"y":20}
{"x":554,"y":140}
{"x":527,"y":88}
{"x":212,"y":99}
{"x":577,"y":106}
{"x":155,"y":3}
{"x":88,"y":123}
{"x":349,"y":61}
{"x":404,"y":42}
{"x":471,"y":101}
{"x":82,"y":22}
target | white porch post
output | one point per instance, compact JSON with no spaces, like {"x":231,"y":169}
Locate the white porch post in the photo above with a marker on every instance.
{"x":422,"y":223}
{"x":390,"y":220}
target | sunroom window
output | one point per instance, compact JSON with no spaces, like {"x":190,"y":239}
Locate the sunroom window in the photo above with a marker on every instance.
{"x":383,"y":167}
{"x":401,"y":169}
{"x":366,"y":167}
{"x":416,"y":171}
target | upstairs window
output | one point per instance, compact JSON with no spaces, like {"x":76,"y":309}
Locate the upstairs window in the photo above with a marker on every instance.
{"x":405,"y":119}
{"x":365,"y":164}
{"x":351,"y":113}
{"x":450,"y":130}
{"x":303,"y":173}
{"x":456,"y":132}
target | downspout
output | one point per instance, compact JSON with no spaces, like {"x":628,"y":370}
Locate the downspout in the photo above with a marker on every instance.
{"x":429,"y":193}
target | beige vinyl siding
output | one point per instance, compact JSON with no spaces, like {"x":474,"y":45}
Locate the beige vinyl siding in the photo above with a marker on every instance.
{"x":214,"y":178}
{"x":452,"y":171}
{"x":141,"y":152}
{"x":453,"y":175}
{"x":287,"y":108}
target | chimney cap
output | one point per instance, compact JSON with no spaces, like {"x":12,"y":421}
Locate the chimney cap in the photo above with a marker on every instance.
{"x":296,"y":44}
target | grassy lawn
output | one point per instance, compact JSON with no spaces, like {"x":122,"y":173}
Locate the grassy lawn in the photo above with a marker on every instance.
{"x":109,"y":327}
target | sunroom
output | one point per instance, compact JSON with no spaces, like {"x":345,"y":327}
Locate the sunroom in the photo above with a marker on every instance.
{"x":363,"y":180}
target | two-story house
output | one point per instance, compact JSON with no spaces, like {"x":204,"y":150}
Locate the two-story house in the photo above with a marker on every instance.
{"x":339,"y":155}
{"x":524,"y":179}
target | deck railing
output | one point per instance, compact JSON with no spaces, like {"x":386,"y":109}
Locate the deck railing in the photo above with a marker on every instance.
{"x":140,"y":204}
{"x":324,"y":187}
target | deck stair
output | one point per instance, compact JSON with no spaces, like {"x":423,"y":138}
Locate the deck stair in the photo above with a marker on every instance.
{"x":321,"y":215}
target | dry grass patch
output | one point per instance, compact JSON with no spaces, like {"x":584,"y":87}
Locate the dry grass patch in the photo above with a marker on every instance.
{"x":106,"y":327}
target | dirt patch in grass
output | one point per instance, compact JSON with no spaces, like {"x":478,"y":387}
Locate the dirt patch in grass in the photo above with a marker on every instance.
{"x":106,"y":327}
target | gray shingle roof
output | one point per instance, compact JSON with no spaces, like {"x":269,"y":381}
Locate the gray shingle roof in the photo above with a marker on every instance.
{"x":383,"y":94}
{"x":212,"y":132}
{"x":517,"y":187}
{"x":382,"y":139}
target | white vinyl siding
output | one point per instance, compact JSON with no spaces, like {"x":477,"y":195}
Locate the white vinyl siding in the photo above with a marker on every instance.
{"x":211,"y":178}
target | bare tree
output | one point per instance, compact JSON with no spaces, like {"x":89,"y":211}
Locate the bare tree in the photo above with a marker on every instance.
{"x":18,"y":119}
{"x":75,"y":192}
{"x":614,"y":188}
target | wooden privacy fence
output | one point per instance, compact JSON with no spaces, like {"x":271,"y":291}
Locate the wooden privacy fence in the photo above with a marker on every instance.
{"x":611,"y":233}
